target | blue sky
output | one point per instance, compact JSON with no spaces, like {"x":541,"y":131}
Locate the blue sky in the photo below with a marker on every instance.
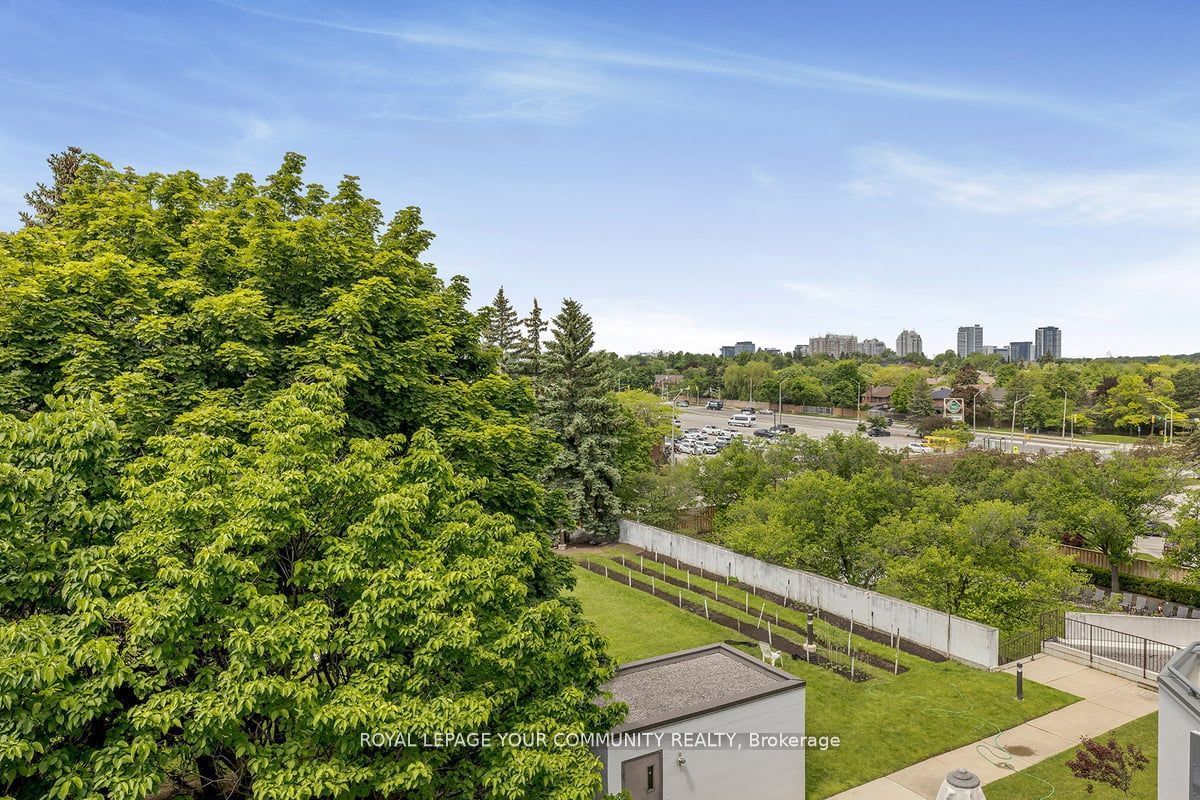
{"x":693,"y":173}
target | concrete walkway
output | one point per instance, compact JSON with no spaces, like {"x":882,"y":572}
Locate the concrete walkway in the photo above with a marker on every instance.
{"x":1108,"y":702}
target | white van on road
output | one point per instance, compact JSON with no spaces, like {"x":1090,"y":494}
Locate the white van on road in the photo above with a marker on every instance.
{"x":742,"y":420}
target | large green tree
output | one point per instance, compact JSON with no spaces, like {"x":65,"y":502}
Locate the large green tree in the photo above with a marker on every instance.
{"x":987,"y":563}
{"x":1101,"y":502}
{"x":577,"y":407}
{"x":262,"y":492}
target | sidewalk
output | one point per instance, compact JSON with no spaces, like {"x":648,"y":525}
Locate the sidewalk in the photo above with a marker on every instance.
{"x":1108,"y":702}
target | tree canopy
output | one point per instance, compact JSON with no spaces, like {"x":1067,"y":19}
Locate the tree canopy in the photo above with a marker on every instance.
{"x":262,"y":491}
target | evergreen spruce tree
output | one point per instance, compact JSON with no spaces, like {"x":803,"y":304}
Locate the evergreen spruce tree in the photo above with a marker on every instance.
{"x":576,"y":406}
{"x":45,"y":200}
{"x":530,"y":360}
{"x":502,"y":330}
{"x":921,"y":403}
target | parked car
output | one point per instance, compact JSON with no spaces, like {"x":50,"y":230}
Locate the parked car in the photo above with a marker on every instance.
{"x":691,"y":430}
{"x":715,"y":405}
{"x":683,"y":404}
{"x":782,"y":428}
{"x":677,"y":422}
{"x":707,"y":449}
{"x":764,"y":433}
{"x":710,"y":430}
{"x":686,"y":447}
{"x":749,"y":411}
{"x":917,"y":447}
{"x":878,"y":432}
{"x":742,"y":420}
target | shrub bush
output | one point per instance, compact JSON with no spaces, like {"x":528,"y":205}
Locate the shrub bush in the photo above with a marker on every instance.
{"x":1152,"y":587}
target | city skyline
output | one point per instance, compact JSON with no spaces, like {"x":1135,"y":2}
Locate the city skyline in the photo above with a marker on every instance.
{"x":1047,"y":340}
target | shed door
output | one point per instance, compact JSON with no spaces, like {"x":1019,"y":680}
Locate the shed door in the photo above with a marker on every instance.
{"x":642,"y":777}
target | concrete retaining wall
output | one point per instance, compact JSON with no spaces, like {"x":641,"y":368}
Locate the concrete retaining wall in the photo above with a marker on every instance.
{"x":1169,"y":630}
{"x":959,"y":638}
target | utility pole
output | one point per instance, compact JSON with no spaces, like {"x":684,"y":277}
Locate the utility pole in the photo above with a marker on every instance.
{"x":974,"y":427}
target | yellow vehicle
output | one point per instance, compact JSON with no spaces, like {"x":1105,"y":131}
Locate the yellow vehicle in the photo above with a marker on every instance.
{"x":945,"y":444}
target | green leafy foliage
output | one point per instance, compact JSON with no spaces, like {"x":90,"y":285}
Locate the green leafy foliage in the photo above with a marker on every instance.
{"x":987,"y":563}
{"x":262,"y":492}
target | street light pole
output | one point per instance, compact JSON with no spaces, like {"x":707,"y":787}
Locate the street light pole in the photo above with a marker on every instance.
{"x":1016,"y":402}
{"x":673,"y":399}
{"x":1169,"y":419}
{"x":1064,"y":427}
{"x":974,"y":427}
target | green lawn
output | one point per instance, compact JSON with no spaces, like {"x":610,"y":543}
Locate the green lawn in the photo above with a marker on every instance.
{"x":745,"y":606}
{"x":885,"y":724}
{"x":1036,"y":782}
{"x":637,"y":625}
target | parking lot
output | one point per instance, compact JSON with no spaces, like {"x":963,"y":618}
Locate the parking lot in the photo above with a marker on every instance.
{"x":900,"y":438}
{"x":816,"y":427}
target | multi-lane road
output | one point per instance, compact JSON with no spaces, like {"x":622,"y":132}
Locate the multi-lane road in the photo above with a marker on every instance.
{"x":902,"y":435}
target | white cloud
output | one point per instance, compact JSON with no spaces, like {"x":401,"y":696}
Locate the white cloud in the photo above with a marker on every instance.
{"x":1103,"y":198}
{"x":502,"y":37}
{"x":761,"y":176}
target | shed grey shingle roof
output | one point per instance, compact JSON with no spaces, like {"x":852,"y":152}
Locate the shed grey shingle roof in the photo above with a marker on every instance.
{"x":683,"y":684}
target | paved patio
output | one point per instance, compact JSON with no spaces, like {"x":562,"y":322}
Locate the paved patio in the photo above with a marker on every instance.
{"x":1108,"y":702}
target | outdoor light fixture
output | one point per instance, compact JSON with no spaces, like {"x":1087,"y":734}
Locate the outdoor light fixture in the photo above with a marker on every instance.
{"x":680,"y":760}
{"x":961,"y":785}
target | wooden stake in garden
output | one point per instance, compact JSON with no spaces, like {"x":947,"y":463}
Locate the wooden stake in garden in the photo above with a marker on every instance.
{"x":851,"y":667}
{"x":706,"y":608}
{"x":689,"y":580}
{"x":641,"y":563}
{"x":896,"y":666}
{"x":681,"y":598}
{"x":631,"y":577}
{"x":747,"y":602}
{"x":762,"y":611}
{"x":651,"y":584}
{"x":769,"y":634}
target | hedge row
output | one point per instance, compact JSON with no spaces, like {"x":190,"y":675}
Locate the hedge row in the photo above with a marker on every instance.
{"x":1151,"y":587}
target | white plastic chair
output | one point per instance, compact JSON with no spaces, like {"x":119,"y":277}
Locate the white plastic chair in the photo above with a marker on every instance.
{"x":768,"y":654}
